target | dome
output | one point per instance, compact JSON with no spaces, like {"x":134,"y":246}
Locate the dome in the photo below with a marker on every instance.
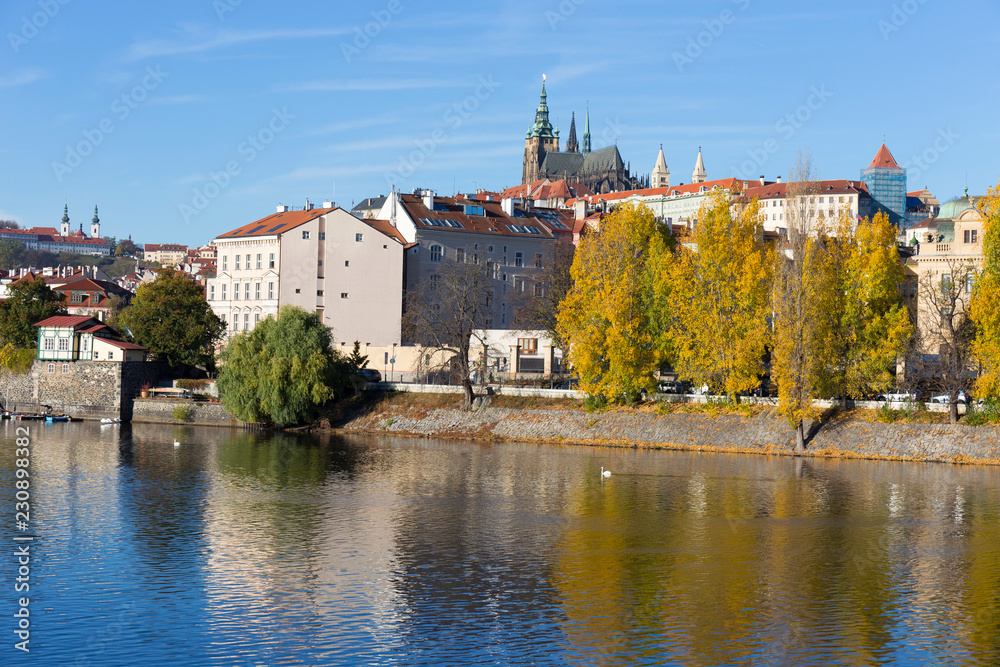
{"x":952,"y":209}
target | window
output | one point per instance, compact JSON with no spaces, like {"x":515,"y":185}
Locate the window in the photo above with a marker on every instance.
{"x":259,"y":257}
{"x":489,"y":249}
{"x":223,"y":292}
{"x":539,"y":289}
{"x":256,"y":291}
{"x":211,"y":292}
{"x":248,"y":261}
{"x":538,"y":260}
{"x":460,"y":255}
{"x":347,"y":262}
{"x":247,"y":292}
{"x":256,"y":319}
{"x":111,"y":355}
{"x":237,"y":265}
{"x":305,"y":236}
{"x":270,"y":261}
{"x":970,"y":282}
{"x":527,"y":345}
{"x":435,"y":282}
{"x":319,"y":262}
{"x":436,"y":253}
{"x":972,"y":236}
{"x":298,"y":291}
{"x":236,"y":292}
{"x":52,"y":368}
{"x":319,"y":292}
{"x":359,"y":238}
{"x":246,"y":320}
{"x":946,"y":281}
{"x":270,"y":290}
{"x":343,"y":295}
{"x":77,"y":297}
{"x":518,"y":286}
{"x":236,"y":321}
{"x":65,"y":369}
{"x":491,"y":269}
{"x":64,"y":344}
{"x":225,"y":262}
{"x":489,"y":298}
{"x":322,"y":236}
{"x":49,"y":344}
{"x":518,"y":259}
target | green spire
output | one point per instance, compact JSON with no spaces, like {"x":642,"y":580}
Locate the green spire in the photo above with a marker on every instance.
{"x":586,"y":133}
{"x":66,"y":213}
{"x":542,"y":127}
{"x":96,"y":220}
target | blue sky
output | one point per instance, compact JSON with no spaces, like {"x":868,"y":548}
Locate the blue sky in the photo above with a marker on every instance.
{"x":186,"y":119}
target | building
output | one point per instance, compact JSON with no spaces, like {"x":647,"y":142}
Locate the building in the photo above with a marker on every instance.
{"x":52,"y":240}
{"x":602,"y":170}
{"x":93,"y":298}
{"x":510,"y":241}
{"x":69,"y":338}
{"x":825,"y":202}
{"x":368,"y":208}
{"x":504,"y":353}
{"x":921,"y":205}
{"x":545,"y":193}
{"x":165,"y":254}
{"x":886,"y":183}
{"x":323,"y":260}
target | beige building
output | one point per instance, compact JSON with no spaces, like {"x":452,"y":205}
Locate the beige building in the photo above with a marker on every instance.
{"x":166,"y":254}
{"x":823,"y":203}
{"x":322,"y":260}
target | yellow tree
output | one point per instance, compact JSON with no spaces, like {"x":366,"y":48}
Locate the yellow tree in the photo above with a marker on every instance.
{"x":720,"y":284}
{"x":619,"y":290}
{"x":985,"y":307}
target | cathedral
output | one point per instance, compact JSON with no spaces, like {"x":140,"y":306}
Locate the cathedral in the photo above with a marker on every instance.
{"x":602,"y":170}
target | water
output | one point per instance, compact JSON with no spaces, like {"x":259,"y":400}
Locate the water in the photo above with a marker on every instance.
{"x":238,"y":549}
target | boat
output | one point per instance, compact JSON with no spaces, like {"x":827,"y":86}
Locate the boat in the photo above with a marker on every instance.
{"x":57,"y":418}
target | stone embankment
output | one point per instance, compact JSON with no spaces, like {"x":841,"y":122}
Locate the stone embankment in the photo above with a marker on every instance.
{"x":765,"y":433}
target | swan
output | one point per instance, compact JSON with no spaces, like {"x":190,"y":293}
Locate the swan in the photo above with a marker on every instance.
{"x":176,"y":444}
{"x":605,"y":473}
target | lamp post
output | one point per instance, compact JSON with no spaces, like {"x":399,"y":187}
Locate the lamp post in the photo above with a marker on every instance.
{"x":393,"y":362}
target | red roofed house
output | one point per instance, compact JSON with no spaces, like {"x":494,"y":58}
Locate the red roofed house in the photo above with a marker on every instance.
{"x":48,"y":238}
{"x":90,"y":297}
{"x":165,"y":254}
{"x":68,"y":338}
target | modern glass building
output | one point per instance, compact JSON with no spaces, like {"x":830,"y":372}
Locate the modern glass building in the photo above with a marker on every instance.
{"x":886,"y":183}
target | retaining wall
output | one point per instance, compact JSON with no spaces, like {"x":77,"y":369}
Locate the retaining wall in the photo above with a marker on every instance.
{"x":161,"y":411}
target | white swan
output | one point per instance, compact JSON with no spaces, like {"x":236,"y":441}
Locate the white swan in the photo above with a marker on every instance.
{"x":176,"y":444}
{"x":605,"y":473}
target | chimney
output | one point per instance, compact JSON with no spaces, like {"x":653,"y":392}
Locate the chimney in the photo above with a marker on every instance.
{"x":762,"y":179}
{"x":309,"y":206}
{"x":428,"y":196}
{"x":507,"y":205}
{"x":580,"y":208}
{"x":282,"y":208}
{"x":779,"y":179}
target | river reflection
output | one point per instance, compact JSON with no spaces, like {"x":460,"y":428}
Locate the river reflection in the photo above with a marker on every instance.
{"x":322,"y":550}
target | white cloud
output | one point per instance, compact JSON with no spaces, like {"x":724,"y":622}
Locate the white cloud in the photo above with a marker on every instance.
{"x":224,"y":38}
{"x":22,"y":78}
{"x":371,"y":85}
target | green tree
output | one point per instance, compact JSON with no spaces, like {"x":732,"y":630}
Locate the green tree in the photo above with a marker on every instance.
{"x":609,"y":318}
{"x":170,"y":317}
{"x":27,"y":302}
{"x":357,"y":361}
{"x":985,"y":310}
{"x":282,"y":371}
{"x":721,"y":284}
{"x":11,"y":253}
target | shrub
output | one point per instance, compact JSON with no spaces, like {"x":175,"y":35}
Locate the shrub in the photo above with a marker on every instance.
{"x":886,"y":414}
{"x":595,"y":403}
{"x":196,"y":385}
{"x":183,"y":413}
{"x":981,"y":415}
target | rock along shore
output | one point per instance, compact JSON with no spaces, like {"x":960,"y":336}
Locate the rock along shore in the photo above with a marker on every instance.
{"x":766,"y":433}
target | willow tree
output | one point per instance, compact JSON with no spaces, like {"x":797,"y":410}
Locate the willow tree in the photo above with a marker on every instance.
{"x":720,"y":283}
{"x":985,"y":308}
{"x":609,"y":318}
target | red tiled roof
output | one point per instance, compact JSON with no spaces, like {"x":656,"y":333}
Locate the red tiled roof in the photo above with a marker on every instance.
{"x":884,"y":159}
{"x":688,"y":188}
{"x":385,"y":227}
{"x":495,"y":221}
{"x":276,"y":223}
{"x":779,"y":190}
{"x":66,"y":321}
{"x":123,"y":345}
{"x":91,"y":285}
{"x":95,"y":328}
{"x":168,"y":247}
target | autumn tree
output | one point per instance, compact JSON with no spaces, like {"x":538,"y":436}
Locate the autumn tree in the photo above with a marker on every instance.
{"x":27,"y":302}
{"x":985,"y":307}
{"x":283,"y":370}
{"x":446,"y":312}
{"x":620,"y":290}
{"x":171,"y":318}
{"x":721,"y":282}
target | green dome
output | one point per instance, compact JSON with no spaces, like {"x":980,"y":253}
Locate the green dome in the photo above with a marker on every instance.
{"x":954,"y":208}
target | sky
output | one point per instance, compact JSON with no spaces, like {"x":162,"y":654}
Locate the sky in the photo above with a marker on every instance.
{"x":187,"y":119}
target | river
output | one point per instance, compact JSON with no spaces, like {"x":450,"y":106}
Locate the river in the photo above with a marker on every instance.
{"x":247,"y":549}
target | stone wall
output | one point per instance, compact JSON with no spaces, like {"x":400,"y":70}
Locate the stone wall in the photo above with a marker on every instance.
{"x":161,"y":411}
{"x":765,"y":433}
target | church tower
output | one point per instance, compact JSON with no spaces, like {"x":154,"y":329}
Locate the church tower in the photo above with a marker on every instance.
{"x":64,"y":230}
{"x":699,"y":175}
{"x":660,"y":177}
{"x":95,"y":225}
{"x":540,"y":139}
{"x":586,"y":133}
{"x":571,"y":145}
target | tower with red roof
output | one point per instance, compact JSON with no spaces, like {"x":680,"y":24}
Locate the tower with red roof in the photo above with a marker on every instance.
{"x":886,"y":182}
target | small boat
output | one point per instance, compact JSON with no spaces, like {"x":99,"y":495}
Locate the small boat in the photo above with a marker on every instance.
{"x":57,"y":418}
{"x":109,"y":420}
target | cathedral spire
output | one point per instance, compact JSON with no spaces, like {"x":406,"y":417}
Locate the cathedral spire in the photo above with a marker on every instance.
{"x":699,"y":175}
{"x":542,"y":127}
{"x":571,"y":144}
{"x":586,"y":132}
{"x":660,"y":178}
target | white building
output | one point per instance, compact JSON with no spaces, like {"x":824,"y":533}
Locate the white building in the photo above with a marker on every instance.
{"x":322,"y":260}
{"x":824,"y":200}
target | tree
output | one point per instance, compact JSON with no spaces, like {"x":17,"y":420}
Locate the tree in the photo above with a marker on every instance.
{"x":9,"y":224}
{"x":721,"y":297}
{"x":282,"y":371}
{"x":620,"y":292}
{"x":39,"y":258}
{"x":985,"y":307}
{"x":111,"y":241}
{"x":538,"y":306}
{"x":447,"y":311}
{"x":170,"y":317}
{"x":942,"y":354}
{"x":356,"y":362}
{"x":27,"y":302}
{"x":11,"y":254}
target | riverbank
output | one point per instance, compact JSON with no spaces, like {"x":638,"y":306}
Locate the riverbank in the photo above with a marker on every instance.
{"x":752,"y":430}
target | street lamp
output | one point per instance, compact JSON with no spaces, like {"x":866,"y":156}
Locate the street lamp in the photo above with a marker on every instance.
{"x":393,"y":362}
